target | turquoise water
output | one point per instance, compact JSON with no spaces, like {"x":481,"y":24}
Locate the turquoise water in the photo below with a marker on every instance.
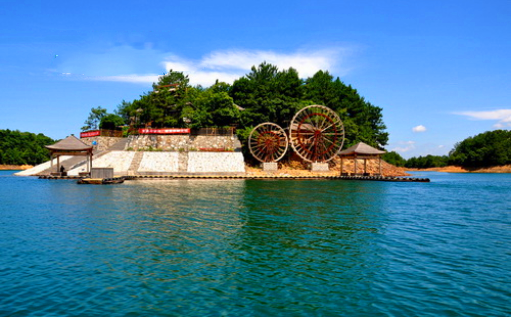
{"x":256,"y":248}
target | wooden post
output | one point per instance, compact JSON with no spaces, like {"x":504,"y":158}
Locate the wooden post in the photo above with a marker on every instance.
{"x":355,"y":164}
{"x":364,"y":165}
{"x":90,"y":162}
{"x":51,"y":162}
{"x":341,"y":167}
{"x":58,"y":163}
{"x":380,"y":166}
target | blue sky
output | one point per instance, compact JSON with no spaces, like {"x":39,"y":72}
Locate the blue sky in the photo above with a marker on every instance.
{"x":439,"y":69}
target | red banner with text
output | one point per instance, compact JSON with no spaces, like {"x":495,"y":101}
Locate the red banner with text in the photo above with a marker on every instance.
{"x":89,"y":134}
{"x":165,"y":131}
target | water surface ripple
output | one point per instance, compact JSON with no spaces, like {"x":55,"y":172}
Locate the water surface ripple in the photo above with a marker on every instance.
{"x":256,"y":248}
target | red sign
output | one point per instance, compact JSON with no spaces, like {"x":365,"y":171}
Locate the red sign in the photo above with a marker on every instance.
{"x":164,"y":131}
{"x":89,"y":134}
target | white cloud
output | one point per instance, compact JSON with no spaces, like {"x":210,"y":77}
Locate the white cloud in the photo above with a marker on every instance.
{"x":404,"y":146}
{"x":307,"y":63}
{"x":128,"y":78}
{"x":420,"y":128}
{"x":502,"y":115}
{"x":123,"y":64}
{"x":228,"y":65}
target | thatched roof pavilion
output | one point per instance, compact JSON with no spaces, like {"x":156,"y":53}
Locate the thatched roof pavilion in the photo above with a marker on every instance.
{"x":361,"y":151}
{"x":70,"y":146}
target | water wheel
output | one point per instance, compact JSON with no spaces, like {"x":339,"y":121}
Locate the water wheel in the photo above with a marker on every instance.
{"x":317,"y":134}
{"x":268,"y":142}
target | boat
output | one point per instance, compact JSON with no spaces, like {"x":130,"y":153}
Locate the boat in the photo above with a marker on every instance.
{"x":101,"y":181}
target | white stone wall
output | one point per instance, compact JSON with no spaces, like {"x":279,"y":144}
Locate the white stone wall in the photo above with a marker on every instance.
{"x":215,"y":162}
{"x":119,"y":160}
{"x":43,"y":166}
{"x":159,"y":162}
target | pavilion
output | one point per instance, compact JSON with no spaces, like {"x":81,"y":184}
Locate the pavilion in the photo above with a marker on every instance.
{"x":70,"y":146}
{"x":361,"y":151}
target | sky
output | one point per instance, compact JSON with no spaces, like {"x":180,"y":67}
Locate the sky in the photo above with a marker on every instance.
{"x":439,"y":69}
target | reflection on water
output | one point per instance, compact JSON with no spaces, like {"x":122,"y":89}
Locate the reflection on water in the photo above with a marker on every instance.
{"x":255,"y":247}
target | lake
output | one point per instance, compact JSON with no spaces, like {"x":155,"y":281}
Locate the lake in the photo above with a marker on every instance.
{"x":256,"y":247}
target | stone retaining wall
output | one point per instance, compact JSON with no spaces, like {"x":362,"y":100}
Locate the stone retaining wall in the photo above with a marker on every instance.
{"x":102,"y":142}
{"x":182,"y":142}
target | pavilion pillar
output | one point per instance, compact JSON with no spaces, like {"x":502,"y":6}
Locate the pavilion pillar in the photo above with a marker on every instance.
{"x":51,"y":162}
{"x":380,"y":166}
{"x":90,"y":162}
{"x":341,"y":166}
{"x":58,"y":163}
{"x":364,"y":165}
{"x":355,"y":164}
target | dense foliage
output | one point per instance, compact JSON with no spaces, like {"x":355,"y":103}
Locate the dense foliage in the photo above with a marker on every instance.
{"x":266,"y":94}
{"x":486,"y":149}
{"x":394,"y":158}
{"x":18,"y":148}
{"x":100,"y":118}
{"x":427,"y":161}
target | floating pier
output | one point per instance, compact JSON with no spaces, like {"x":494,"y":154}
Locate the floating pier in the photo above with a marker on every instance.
{"x":261,"y":177}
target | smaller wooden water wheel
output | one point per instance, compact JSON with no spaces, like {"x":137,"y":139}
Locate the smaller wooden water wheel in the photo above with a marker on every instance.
{"x":317,"y":134}
{"x":268,"y":142}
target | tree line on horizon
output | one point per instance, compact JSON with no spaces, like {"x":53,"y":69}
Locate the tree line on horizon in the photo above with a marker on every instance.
{"x":491,"y":148}
{"x":19,"y":148}
{"x":265,"y":94}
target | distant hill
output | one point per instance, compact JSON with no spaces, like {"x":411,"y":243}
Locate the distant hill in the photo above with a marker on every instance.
{"x":482,"y":151}
{"x":23,"y":148}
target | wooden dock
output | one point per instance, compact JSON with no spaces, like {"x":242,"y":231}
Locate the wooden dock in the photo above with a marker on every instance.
{"x":261,"y":177}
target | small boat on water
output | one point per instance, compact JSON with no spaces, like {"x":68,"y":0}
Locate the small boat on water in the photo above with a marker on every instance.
{"x":101,"y":181}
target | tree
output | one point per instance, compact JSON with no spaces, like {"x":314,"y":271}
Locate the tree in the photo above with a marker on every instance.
{"x":168,"y":98}
{"x":394,"y":158}
{"x":363,"y":121}
{"x":490,"y":148}
{"x":94,"y":118}
{"x":268,"y":95}
{"x":111,"y":121}
{"x":213,"y":107}
{"x":19,"y":148}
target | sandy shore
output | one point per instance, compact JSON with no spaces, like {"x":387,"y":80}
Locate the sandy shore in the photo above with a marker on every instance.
{"x":14,"y":167}
{"x":459,"y":169}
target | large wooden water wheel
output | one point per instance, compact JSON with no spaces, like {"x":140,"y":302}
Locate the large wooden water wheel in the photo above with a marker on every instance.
{"x":317,"y":134}
{"x":268,"y":142}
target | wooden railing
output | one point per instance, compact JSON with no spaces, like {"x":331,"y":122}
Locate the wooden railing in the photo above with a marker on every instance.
{"x":214,"y":131}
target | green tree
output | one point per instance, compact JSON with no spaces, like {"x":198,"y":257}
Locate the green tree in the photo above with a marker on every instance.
{"x":363,"y":121}
{"x":19,"y":148}
{"x":394,"y":158}
{"x":268,"y":95}
{"x":213,"y":107}
{"x":111,"y":121}
{"x":486,"y":149}
{"x":94,"y":119}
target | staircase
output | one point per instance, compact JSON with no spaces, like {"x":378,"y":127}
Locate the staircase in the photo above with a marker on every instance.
{"x":134,"y":166}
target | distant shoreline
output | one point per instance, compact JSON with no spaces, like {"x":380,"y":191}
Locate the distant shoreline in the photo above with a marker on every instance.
{"x":458,"y":169}
{"x":447,"y":169}
{"x":14,"y":167}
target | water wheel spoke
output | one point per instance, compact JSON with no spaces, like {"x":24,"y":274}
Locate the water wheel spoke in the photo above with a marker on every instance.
{"x":316,"y":133}
{"x":268,"y":142}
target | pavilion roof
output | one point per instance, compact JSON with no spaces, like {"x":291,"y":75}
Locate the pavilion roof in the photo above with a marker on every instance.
{"x":71,"y":143}
{"x":362,"y":149}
